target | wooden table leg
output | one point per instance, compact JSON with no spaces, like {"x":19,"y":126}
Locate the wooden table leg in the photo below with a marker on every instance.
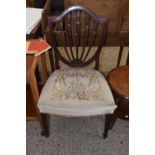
{"x":35,"y":94}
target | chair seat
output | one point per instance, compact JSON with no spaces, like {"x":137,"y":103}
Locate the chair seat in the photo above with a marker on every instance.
{"x":76,"y":92}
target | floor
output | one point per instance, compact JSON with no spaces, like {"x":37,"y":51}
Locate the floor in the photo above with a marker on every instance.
{"x":78,"y":136}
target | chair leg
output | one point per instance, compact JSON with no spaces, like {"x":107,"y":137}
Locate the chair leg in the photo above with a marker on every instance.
{"x":109,"y":123}
{"x":114,"y":117}
{"x":46,"y":121}
{"x":110,"y":119}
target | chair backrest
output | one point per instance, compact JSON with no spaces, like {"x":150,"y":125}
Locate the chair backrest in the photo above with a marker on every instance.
{"x":79,"y":30}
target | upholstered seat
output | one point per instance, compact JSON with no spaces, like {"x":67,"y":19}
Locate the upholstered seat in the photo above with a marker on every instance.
{"x":76,"y":92}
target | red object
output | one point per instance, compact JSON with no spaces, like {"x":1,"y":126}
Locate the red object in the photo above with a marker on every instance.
{"x":37,"y":45}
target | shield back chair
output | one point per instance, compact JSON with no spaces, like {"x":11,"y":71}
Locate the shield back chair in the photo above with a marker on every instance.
{"x":77,"y":90}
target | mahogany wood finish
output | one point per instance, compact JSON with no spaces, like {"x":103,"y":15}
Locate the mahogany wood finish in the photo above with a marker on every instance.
{"x":119,"y":55}
{"x":119,"y":82}
{"x":117,"y":11}
{"x":112,"y":9}
{"x":109,"y":122}
{"x":70,"y":32}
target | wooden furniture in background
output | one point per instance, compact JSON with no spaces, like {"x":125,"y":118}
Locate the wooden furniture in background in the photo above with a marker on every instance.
{"x":51,"y":8}
{"x":35,"y":3}
{"x":37,"y":31}
{"x":32,"y":93}
{"x":118,"y":80}
{"x":33,"y":77}
{"x":117,"y":11}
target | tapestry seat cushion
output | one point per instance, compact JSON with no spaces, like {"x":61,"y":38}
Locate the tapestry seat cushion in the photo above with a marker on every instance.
{"x":76,"y":92}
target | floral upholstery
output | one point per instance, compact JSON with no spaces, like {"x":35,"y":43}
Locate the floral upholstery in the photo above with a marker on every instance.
{"x":76,"y":92}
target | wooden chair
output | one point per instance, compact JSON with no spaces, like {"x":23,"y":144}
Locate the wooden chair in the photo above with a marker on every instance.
{"x":118,"y":80}
{"x":77,"y":90}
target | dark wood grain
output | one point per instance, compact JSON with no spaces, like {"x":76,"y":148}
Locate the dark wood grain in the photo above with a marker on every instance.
{"x":119,"y":80}
{"x":71,"y":33}
{"x":119,"y":55}
{"x":85,"y":25}
{"x":117,"y":11}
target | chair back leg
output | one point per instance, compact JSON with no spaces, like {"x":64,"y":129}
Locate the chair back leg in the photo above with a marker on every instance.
{"x":110,"y":120}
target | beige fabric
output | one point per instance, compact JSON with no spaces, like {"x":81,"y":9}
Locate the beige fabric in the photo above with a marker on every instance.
{"x":76,"y":92}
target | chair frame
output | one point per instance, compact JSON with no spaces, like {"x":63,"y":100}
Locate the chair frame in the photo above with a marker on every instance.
{"x":75,"y":61}
{"x":73,"y":58}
